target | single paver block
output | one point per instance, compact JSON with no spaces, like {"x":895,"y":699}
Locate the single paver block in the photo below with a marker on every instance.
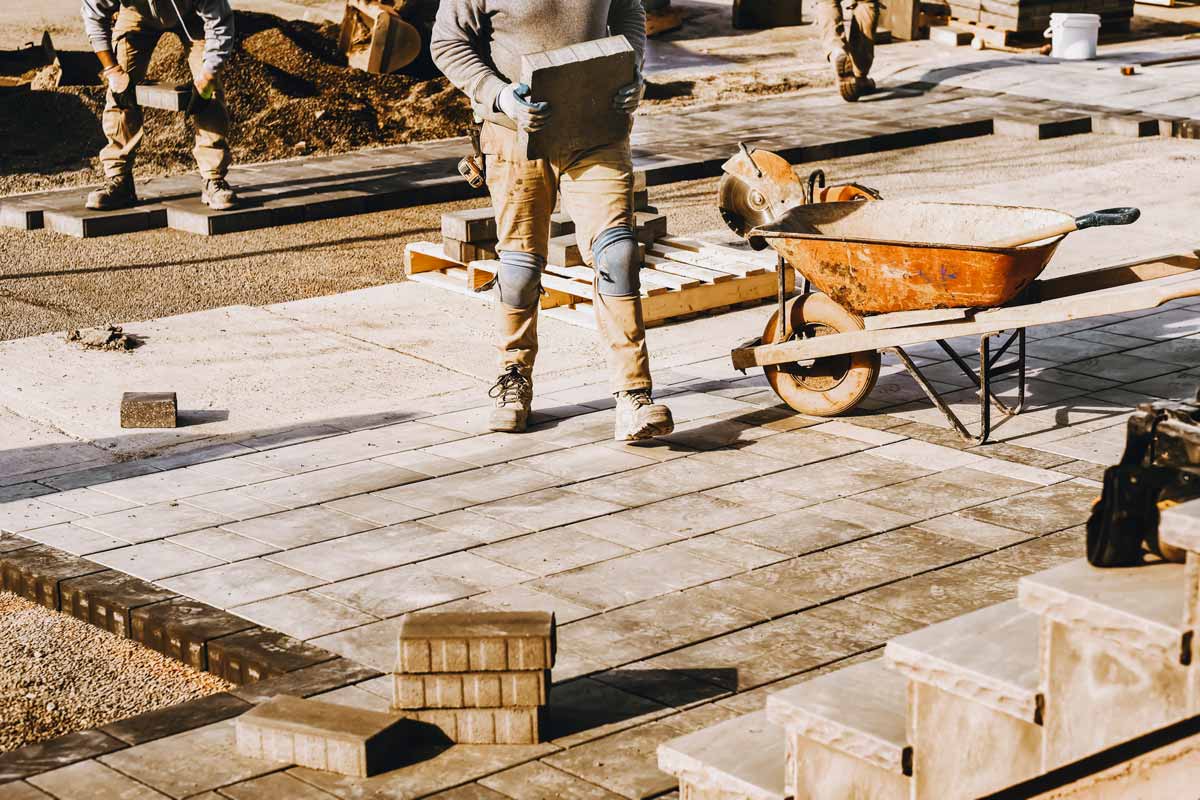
{"x":193,"y":216}
{"x":466,"y":252}
{"x":482,"y":725}
{"x":741,"y":757}
{"x":641,"y":199}
{"x":85,"y":223}
{"x":471,"y":689}
{"x":650,"y":227}
{"x":561,"y":224}
{"x":181,"y":629}
{"x":579,"y":82}
{"x":36,"y":573}
{"x":343,"y":739}
{"x":564,"y":251}
{"x":1133,"y":125}
{"x":1032,"y":128}
{"x":165,"y":95}
{"x":470,"y":225}
{"x":106,"y":599}
{"x":149,"y":410}
{"x":944,"y":34}
{"x":476,"y":642}
{"x":255,"y":654}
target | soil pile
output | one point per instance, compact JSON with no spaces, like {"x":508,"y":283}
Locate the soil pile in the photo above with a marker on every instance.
{"x":289,"y":92}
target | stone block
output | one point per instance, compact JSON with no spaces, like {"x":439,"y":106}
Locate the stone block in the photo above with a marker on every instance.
{"x":561,"y":224}
{"x":21,"y":216}
{"x":149,"y":410}
{"x":470,"y":225}
{"x":650,"y":227}
{"x":482,"y":725}
{"x":639,"y":181}
{"x":742,"y":757}
{"x":564,"y":252}
{"x":1131,"y":125}
{"x":476,"y":641}
{"x":953,"y":37}
{"x":181,"y":629}
{"x":825,"y":773}
{"x":641,"y":200}
{"x":36,"y":573}
{"x":1180,"y":526}
{"x":466,"y":252}
{"x":579,"y":83}
{"x":256,"y":654}
{"x":106,"y":599}
{"x":343,"y":739}
{"x":1030,"y":127}
{"x":85,"y":223}
{"x":164,"y":95}
{"x":471,"y":689}
{"x":193,"y":216}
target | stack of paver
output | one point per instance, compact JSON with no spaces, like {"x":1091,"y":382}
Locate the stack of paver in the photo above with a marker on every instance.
{"x":1033,"y":16}
{"x":482,"y":678}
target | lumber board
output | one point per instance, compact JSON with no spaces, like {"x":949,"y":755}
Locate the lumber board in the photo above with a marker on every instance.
{"x":714,"y":261}
{"x":759,"y":258}
{"x":709,"y":296}
{"x":899,"y":319}
{"x":426,"y":257}
{"x":1120,"y":275}
{"x":702,"y":274}
{"x":586,"y":274}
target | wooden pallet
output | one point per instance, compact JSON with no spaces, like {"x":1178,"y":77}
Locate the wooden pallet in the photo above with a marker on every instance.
{"x":682,"y":277}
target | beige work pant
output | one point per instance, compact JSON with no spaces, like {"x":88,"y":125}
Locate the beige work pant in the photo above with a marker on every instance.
{"x":859,"y":40}
{"x":597,"y":192}
{"x":134,"y":40}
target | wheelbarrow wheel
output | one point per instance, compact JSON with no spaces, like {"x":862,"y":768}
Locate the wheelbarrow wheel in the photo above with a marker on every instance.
{"x":829,"y":386}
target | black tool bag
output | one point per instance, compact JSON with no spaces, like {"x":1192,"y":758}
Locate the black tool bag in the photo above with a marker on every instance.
{"x":1160,"y":468}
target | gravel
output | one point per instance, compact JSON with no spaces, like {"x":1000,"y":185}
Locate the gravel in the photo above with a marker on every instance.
{"x":59,"y":674}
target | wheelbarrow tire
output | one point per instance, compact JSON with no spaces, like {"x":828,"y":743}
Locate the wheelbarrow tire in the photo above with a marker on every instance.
{"x":830,"y":386}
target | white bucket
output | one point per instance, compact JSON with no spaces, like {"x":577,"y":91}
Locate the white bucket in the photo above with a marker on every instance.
{"x":1074,"y":35}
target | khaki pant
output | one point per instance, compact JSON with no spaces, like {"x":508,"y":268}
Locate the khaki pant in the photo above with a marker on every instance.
{"x":134,"y":39}
{"x":859,"y":40}
{"x":596,"y":187}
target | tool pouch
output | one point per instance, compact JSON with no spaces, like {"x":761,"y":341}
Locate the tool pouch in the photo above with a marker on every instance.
{"x":473,"y":168}
{"x":1160,"y":468}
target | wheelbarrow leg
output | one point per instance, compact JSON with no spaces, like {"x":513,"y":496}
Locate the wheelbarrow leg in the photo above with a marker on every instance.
{"x":931,"y":393}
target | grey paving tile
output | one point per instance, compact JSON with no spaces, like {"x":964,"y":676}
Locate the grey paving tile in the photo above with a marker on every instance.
{"x":1122,"y":367}
{"x":804,"y":446}
{"x":396,"y":591}
{"x":925,"y":455}
{"x":758,"y":492}
{"x":945,"y":593}
{"x":303,"y":526}
{"x":91,"y":780}
{"x":940,"y":493}
{"x":477,"y":526}
{"x":222,"y":544}
{"x":452,"y":492}
{"x":493,"y":448}
{"x":820,"y":577}
{"x":233,"y":504}
{"x":352,"y":447}
{"x":276,"y":786}
{"x":658,"y":482}
{"x":1184,"y":351}
{"x":158,"y":487}
{"x":158,"y":521}
{"x":303,"y":615}
{"x":551,"y":551}
{"x":538,"y":781}
{"x":1176,"y":386}
{"x":585,"y":709}
{"x":546,"y":508}
{"x":737,"y":465}
{"x":526,"y":598}
{"x":1169,"y":324}
{"x":377,"y":509}
{"x":23,"y":491}
{"x":617,"y":528}
{"x":1045,"y":510}
{"x":88,"y":502}
{"x":372,"y":551}
{"x":716,"y":547}
{"x":1044,"y":552}
{"x":73,"y":539}
{"x":373,"y":645}
{"x":425,"y":462}
{"x":240,"y":583}
{"x":584,"y":462}
{"x":710,"y":433}
{"x":909,"y":550}
{"x":239,"y":470}
{"x":323,"y":485}
{"x":472,"y":791}
{"x":23,"y":515}
{"x":476,"y":570}
{"x":974,"y":531}
{"x":152,"y":561}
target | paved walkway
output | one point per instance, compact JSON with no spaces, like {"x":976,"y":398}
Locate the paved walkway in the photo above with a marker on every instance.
{"x":690,"y":576}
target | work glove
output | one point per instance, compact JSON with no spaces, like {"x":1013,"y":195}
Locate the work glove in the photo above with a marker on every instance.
{"x":120,"y":86}
{"x":203,"y":90}
{"x":513,"y":100}
{"x":629,"y":96}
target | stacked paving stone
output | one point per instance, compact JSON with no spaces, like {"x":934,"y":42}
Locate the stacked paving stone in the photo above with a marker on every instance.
{"x":1041,"y":687}
{"x":482,"y":678}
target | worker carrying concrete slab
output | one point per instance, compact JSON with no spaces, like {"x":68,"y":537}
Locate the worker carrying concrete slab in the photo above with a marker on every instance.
{"x":479,"y":45}
{"x":849,"y":43}
{"x":124,"y":50}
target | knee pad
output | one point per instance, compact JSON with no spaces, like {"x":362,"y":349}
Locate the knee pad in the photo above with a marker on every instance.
{"x":520,"y":278}
{"x":618,"y":262}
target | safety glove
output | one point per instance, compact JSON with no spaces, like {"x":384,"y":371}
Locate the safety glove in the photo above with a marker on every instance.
{"x":203,"y":90}
{"x":120,"y":85}
{"x":629,"y":96}
{"x":514,"y":101}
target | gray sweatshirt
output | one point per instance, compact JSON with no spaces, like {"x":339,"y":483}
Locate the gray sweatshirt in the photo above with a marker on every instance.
{"x":478,"y":44}
{"x":210,"y":20}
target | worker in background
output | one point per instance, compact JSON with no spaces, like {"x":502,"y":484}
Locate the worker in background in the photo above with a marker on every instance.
{"x":124,"y":50}
{"x":478,"y":44}
{"x":849,"y":45}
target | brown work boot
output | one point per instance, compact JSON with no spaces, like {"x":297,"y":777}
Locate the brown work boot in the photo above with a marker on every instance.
{"x":513,"y":392}
{"x":639,"y":417}
{"x":219,"y":195}
{"x":843,"y":70}
{"x":117,"y":192}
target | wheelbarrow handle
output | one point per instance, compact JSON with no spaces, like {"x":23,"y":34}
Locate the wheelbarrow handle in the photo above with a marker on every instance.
{"x":1107,"y":216}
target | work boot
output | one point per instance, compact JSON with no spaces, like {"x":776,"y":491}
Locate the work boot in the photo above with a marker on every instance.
{"x":513,"y":392}
{"x":843,"y":71}
{"x":865,"y":85}
{"x":117,"y":192}
{"x":639,"y":417}
{"x":218,"y":195}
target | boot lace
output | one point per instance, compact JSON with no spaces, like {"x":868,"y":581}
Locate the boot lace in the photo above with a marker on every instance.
{"x":115,"y":184}
{"x":219,"y":185}
{"x":510,"y":387}
{"x":640,"y":397}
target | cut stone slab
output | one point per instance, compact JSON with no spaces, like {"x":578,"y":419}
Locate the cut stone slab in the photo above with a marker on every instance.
{"x":181,"y":629}
{"x":36,"y":572}
{"x":149,"y":410}
{"x":483,"y":725}
{"x":1132,"y":125}
{"x":744,"y":757}
{"x":476,"y":641}
{"x":858,"y":710}
{"x":85,"y":223}
{"x":470,"y":225}
{"x":579,"y":83}
{"x":1180,"y":526}
{"x":1142,"y":608}
{"x":310,"y":733}
{"x":1032,"y":128}
{"x":164,"y":95}
{"x":256,"y":654}
{"x":564,"y":251}
{"x":106,"y":599}
{"x":471,"y":689}
{"x":650,"y":227}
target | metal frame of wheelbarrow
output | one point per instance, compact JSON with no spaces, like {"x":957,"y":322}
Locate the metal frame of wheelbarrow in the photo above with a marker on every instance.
{"x":1133,"y":286}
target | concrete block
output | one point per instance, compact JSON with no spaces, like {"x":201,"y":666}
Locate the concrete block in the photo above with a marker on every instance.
{"x":579,"y":83}
{"x":328,"y":205}
{"x":564,"y":252}
{"x":953,"y":37}
{"x":164,"y":95}
{"x":106,"y":599}
{"x":650,"y":227}
{"x":639,"y":181}
{"x":181,"y":629}
{"x":1131,"y":125}
{"x":1180,"y":526}
{"x":483,"y":725}
{"x":466,"y":252}
{"x":1033,"y":128}
{"x":471,"y":689}
{"x":742,"y":757}
{"x":193,"y":216}
{"x":36,"y":572}
{"x":149,"y":410}
{"x":84,"y":223}
{"x":825,"y":773}
{"x":476,"y":642}
{"x":20,"y":216}
{"x":256,"y":654}
{"x":309,"y":733}
{"x":561,"y":224}
{"x":470,"y":225}
{"x":641,"y":200}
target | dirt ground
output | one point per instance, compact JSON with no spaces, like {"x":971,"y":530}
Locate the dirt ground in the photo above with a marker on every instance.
{"x":59,"y":674}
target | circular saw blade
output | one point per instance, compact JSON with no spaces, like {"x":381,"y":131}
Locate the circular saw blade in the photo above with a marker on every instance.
{"x":743,"y":207}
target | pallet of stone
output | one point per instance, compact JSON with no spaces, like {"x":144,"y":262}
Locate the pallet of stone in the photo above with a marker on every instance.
{"x":483,"y":725}
{"x":493,"y":689}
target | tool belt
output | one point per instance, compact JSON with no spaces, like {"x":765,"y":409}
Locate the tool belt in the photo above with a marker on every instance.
{"x":1159,"y":469}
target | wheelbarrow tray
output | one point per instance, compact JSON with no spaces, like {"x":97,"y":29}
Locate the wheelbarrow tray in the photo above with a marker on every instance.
{"x":886,"y":256}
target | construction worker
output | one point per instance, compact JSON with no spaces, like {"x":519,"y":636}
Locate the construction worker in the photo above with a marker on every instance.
{"x":849,"y":46}
{"x":124,"y":50}
{"x":478,"y":44}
